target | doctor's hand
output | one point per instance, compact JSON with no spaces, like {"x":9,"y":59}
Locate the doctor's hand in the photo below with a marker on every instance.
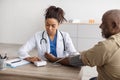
{"x":50,"y":57}
{"x":32,"y":59}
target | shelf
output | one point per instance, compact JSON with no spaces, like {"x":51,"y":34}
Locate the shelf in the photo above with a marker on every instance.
{"x":82,"y":23}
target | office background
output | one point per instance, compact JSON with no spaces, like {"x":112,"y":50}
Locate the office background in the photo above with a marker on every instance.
{"x":20,"y":19}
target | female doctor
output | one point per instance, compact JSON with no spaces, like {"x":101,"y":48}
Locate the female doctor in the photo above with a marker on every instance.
{"x":51,"y":40}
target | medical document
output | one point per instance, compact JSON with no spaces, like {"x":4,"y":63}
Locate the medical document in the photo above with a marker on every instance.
{"x":13,"y":63}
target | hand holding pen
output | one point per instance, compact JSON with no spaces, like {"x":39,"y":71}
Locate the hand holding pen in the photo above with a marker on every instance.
{"x":53,"y":59}
{"x":50,"y":57}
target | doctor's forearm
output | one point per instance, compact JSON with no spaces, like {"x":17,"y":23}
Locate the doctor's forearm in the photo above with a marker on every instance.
{"x":64,"y":61}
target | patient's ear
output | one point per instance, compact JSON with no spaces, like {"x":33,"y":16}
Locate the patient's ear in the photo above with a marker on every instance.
{"x":115,"y":28}
{"x":114,"y":25}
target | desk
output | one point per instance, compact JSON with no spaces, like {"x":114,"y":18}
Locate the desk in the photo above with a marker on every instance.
{"x":48,"y":72}
{"x":31,"y":72}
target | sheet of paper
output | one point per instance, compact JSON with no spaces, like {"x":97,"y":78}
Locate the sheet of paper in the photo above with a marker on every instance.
{"x":13,"y":63}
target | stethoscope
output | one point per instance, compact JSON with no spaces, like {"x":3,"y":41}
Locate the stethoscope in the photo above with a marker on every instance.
{"x":43,"y":39}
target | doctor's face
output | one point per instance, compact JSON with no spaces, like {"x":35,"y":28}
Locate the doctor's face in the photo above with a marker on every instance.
{"x":51,"y":25}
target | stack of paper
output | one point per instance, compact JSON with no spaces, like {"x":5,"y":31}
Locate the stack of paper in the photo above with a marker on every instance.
{"x":40,"y":63}
{"x":16,"y":62}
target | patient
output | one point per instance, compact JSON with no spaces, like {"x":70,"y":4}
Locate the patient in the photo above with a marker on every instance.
{"x":105,"y":54}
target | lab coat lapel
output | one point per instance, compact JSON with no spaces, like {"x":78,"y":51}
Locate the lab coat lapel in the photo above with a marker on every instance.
{"x":48,"y":42}
{"x":59,"y":46}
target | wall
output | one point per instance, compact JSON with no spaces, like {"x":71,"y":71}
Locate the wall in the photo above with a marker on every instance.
{"x":84,"y":36}
{"x":20,"y":19}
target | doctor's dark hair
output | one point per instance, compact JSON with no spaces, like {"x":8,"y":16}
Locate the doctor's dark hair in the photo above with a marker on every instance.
{"x":56,"y":13}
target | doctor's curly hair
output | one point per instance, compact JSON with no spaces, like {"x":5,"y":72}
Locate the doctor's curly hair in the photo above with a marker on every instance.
{"x":56,"y":13}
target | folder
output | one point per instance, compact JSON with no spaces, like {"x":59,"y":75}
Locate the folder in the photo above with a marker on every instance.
{"x":13,"y":63}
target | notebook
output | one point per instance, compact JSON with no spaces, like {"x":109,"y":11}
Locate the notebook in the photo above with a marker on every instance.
{"x":13,"y":63}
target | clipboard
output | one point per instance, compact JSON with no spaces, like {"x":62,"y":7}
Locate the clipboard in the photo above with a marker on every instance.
{"x":13,"y":63}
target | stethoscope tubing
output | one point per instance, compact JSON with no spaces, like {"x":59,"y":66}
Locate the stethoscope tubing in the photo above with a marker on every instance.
{"x":46,"y":40}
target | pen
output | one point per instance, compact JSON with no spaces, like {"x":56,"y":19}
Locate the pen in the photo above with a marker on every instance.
{"x":59,"y":60}
{"x":0,"y":56}
{"x":63,"y":58}
{"x":5,"y":56}
{"x":16,"y":61}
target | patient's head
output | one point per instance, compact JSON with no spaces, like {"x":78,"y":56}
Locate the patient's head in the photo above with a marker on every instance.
{"x":110,"y":23}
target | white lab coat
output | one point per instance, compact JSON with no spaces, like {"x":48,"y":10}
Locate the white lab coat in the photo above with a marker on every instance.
{"x":45,"y":47}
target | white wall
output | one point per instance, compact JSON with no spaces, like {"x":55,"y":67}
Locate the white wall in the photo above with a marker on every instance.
{"x":20,"y":19}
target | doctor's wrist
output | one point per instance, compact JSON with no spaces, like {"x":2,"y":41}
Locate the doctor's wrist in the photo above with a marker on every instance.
{"x":53,"y":59}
